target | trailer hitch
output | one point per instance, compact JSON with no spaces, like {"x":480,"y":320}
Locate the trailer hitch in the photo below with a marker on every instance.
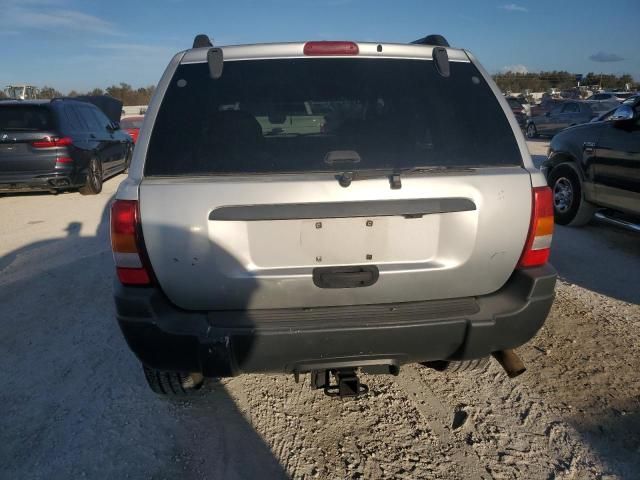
{"x":347,"y":383}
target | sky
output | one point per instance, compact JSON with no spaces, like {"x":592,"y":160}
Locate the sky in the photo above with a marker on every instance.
{"x":74,"y":44}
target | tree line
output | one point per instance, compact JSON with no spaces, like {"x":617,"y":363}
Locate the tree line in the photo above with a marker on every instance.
{"x":123,"y":92}
{"x":543,"y":81}
{"x":509,"y":81}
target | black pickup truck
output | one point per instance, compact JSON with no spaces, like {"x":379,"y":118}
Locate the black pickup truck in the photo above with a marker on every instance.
{"x":597,"y":166}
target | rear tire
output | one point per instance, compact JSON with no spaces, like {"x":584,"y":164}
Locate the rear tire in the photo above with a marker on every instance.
{"x":174,"y":384}
{"x":93,"y":184}
{"x":531,"y":131}
{"x":569,"y":205}
{"x":456,"y":366}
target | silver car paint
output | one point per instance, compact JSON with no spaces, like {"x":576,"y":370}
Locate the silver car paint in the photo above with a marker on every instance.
{"x":203,"y":264}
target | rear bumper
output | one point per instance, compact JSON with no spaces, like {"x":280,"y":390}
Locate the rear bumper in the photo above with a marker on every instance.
{"x":227,"y":343}
{"x":53,"y":180}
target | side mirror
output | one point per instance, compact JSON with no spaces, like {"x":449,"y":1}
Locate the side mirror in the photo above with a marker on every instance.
{"x":113,"y":126}
{"x":623,"y":113}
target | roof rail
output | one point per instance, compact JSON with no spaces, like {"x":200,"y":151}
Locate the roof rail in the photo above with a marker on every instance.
{"x":435,"y":39}
{"x":202,"y":40}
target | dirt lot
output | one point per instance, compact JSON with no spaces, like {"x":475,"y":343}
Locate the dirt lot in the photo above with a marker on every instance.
{"x":74,"y":402}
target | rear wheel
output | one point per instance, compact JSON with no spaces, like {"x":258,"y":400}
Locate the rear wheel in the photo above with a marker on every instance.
{"x":175,"y":384}
{"x":454,"y":366}
{"x":569,"y":205}
{"x":93,"y":184}
{"x":532,"y":131}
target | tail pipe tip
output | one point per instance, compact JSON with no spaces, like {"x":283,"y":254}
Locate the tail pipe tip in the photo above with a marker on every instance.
{"x":511,"y":362}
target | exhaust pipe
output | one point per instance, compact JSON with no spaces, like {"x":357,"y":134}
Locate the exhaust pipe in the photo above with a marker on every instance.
{"x":510,"y":361}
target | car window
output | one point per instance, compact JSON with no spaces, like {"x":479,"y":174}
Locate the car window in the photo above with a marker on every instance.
{"x":101,"y":118}
{"x":89,"y":119}
{"x":25,"y":118}
{"x":570,"y":107}
{"x":603,"y":107}
{"x":387,"y":113}
{"x":556,"y":110}
{"x":74,"y":120}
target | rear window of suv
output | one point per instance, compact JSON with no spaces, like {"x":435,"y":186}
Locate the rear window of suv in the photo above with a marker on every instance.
{"x":314,"y":115}
{"x":25,"y":118}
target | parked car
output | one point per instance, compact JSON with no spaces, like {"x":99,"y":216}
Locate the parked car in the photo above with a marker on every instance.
{"x":613,"y":106}
{"x":546,"y":105}
{"x":57,"y":145}
{"x":605,"y":96}
{"x":596,"y":165}
{"x":524,"y":103}
{"x":391,"y":238}
{"x":569,"y":113}
{"x":623,"y":95}
{"x":600,"y":107}
{"x":132,"y":126}
{"x":518,"y":111}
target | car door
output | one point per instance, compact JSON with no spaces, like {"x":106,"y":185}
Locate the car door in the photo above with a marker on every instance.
{"x":566,"y":117}
{"x":97,"y":135}
{"x":617,"y":165}
{"x":546,"y":124}
{"x":77,"y":129}
{"x":115,"y":149}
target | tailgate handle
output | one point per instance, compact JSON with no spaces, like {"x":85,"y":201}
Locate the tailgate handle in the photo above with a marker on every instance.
{"x":345,"y":277}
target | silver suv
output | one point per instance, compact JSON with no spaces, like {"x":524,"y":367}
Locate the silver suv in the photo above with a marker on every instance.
{"x":326,"y":208}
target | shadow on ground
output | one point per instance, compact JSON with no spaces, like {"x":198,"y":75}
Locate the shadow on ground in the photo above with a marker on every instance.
{"x":614,"y":434}
{"x":75,"y":402}
{"x":600,"y":258}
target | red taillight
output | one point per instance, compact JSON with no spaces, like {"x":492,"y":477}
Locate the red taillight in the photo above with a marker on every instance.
{"x":50,"y":142}
{"x":133,"y":276}
{"x":127,"y":245}
{"x":331,"y":48}
{"x":538,"y":247}
{"x":65,"y":160}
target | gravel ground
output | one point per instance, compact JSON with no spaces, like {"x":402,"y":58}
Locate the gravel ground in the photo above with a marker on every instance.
{"x":75,"y":404}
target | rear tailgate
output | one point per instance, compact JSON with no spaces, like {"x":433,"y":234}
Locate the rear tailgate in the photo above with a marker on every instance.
{"x":206,"y":263}
{"x":240,"y":208}
{"x":20,"y":127}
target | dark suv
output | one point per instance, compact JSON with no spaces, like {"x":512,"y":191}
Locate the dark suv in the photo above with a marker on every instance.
{"x":596,"y":166}
{"x":59,"y":144}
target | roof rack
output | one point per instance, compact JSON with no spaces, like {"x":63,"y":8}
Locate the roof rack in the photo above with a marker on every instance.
{"x":202,"y":40}
{"x":435,"y":39}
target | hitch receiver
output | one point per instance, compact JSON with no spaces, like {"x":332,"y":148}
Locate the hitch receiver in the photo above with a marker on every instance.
{"x":347,"y":383}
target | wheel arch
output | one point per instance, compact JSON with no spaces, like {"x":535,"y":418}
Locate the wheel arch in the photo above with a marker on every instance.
{"x":558,"y":159}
